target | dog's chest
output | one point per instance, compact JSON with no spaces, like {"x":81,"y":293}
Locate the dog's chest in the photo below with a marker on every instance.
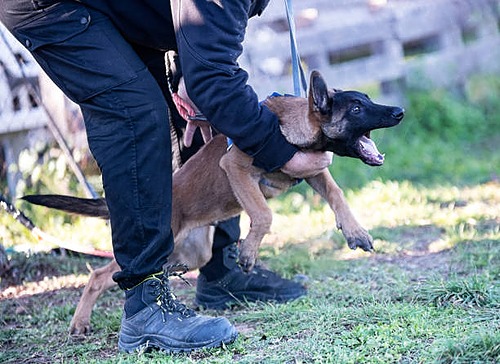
{"x":274,"y":184}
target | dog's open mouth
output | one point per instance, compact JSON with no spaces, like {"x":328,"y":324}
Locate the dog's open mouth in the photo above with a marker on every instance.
{"x":369,"y":152}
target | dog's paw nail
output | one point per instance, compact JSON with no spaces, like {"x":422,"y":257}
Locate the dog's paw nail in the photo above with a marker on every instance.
{"x":245,"y":265}
{"x":364,"y":243}
{"x":365,"y":247}
{"x":246,"y":269}
{"x":79,"y":331}
{"x":351,"y":244}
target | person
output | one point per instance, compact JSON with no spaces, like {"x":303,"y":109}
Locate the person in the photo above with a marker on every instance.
{"x":109,"y":57}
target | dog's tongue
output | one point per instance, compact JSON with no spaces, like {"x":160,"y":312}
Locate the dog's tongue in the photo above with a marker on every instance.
{"x":370,"y":151}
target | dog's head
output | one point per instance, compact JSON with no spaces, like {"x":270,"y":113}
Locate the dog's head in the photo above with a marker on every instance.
{"x":346,"y":119}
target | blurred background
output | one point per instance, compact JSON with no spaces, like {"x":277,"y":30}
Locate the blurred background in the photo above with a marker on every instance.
{"x":439,"y":59}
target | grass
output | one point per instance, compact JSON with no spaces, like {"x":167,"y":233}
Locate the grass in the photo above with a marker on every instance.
{"x":442,"y":139}
{"x":475,"y":291}
{"x":430,"y":293}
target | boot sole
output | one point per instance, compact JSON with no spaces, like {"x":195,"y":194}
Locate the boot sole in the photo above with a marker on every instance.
{"x":144,"y":343}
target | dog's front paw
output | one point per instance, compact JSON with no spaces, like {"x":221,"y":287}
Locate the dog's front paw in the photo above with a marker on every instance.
{"x":78,"y":328}
{"x":360,"y":239}
{"x":247,"y":258}
{"x":246,"y":263}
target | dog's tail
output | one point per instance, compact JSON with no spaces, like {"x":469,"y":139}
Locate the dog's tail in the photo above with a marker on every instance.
{"x":82,"y":206}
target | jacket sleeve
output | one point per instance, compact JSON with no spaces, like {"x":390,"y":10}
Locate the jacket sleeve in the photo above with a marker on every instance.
{"x":209,"y":34}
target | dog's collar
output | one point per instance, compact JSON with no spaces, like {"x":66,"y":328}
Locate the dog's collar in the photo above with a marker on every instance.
{"x":229,"y":143}
{"x":277,"y":94}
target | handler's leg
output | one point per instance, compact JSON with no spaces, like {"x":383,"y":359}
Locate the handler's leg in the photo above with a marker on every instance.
{"x":222,"y":283}
{"x":128,"y":131}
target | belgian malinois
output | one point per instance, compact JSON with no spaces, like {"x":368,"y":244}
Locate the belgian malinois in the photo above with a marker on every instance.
{"x":327,"y":120}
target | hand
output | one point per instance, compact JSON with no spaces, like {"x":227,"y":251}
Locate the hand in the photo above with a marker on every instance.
{"x":307,"y":164}
{"x":188,"y":113}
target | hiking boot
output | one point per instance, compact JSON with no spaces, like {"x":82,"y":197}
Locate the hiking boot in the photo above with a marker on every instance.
{"x":236,"y":287}
{"x":153,"y":318}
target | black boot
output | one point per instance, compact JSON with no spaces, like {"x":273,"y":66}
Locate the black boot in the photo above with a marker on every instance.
{"x":236,"y":287}
{"x":154,"y":318}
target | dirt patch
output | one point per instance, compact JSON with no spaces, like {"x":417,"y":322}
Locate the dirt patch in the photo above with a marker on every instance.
{"x":421,"y":237}
{"x":409,"y":237}
{"x":419,"y":265}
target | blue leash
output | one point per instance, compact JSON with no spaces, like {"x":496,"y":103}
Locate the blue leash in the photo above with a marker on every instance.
{"x":299,"y":78}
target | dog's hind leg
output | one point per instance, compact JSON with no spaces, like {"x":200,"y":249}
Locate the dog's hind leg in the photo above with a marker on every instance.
{"x":100,"y":280}
{"x":354,"y":233}
{"x":195,"y":250}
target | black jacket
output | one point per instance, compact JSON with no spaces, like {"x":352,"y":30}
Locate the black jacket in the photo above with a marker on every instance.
{"x":208,"y":34}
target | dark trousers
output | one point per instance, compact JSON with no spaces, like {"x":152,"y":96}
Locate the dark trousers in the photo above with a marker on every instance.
{"x":226,"y":232}
{"x":121,"y":89}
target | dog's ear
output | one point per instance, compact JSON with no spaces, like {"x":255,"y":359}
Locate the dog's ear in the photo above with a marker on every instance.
{"x":318,"y":94}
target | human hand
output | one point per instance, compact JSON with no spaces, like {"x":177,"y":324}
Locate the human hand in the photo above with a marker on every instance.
{"x":194,"y":119}
{"x":307,"y":164}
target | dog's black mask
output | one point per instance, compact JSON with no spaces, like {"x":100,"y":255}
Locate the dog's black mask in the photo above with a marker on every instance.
{"x":348,"y":117}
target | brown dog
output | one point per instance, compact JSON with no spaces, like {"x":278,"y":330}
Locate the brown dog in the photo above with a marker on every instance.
{"x":328,"y":120}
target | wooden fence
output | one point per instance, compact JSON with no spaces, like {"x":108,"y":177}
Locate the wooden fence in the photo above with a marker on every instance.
{"x":419,"y":43}
{"x":354,"y":43}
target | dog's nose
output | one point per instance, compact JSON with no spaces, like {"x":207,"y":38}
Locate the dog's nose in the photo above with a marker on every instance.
{"x":398,"y":113}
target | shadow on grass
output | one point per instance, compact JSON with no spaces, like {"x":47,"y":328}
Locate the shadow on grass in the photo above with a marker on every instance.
{"x":406,"y":237}
{"x":23,"y":268}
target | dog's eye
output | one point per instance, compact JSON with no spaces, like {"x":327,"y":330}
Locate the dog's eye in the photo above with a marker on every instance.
{"x":355,"y":109}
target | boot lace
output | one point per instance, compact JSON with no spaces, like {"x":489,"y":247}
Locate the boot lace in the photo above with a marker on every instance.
{"x":165,"y":297}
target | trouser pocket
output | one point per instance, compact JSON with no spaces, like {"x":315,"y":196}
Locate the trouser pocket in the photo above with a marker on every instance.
{"x":79,"y":49}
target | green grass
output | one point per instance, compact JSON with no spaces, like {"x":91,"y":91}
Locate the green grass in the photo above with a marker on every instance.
{"x":442,"y":139}
{"x":429,"y":294}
